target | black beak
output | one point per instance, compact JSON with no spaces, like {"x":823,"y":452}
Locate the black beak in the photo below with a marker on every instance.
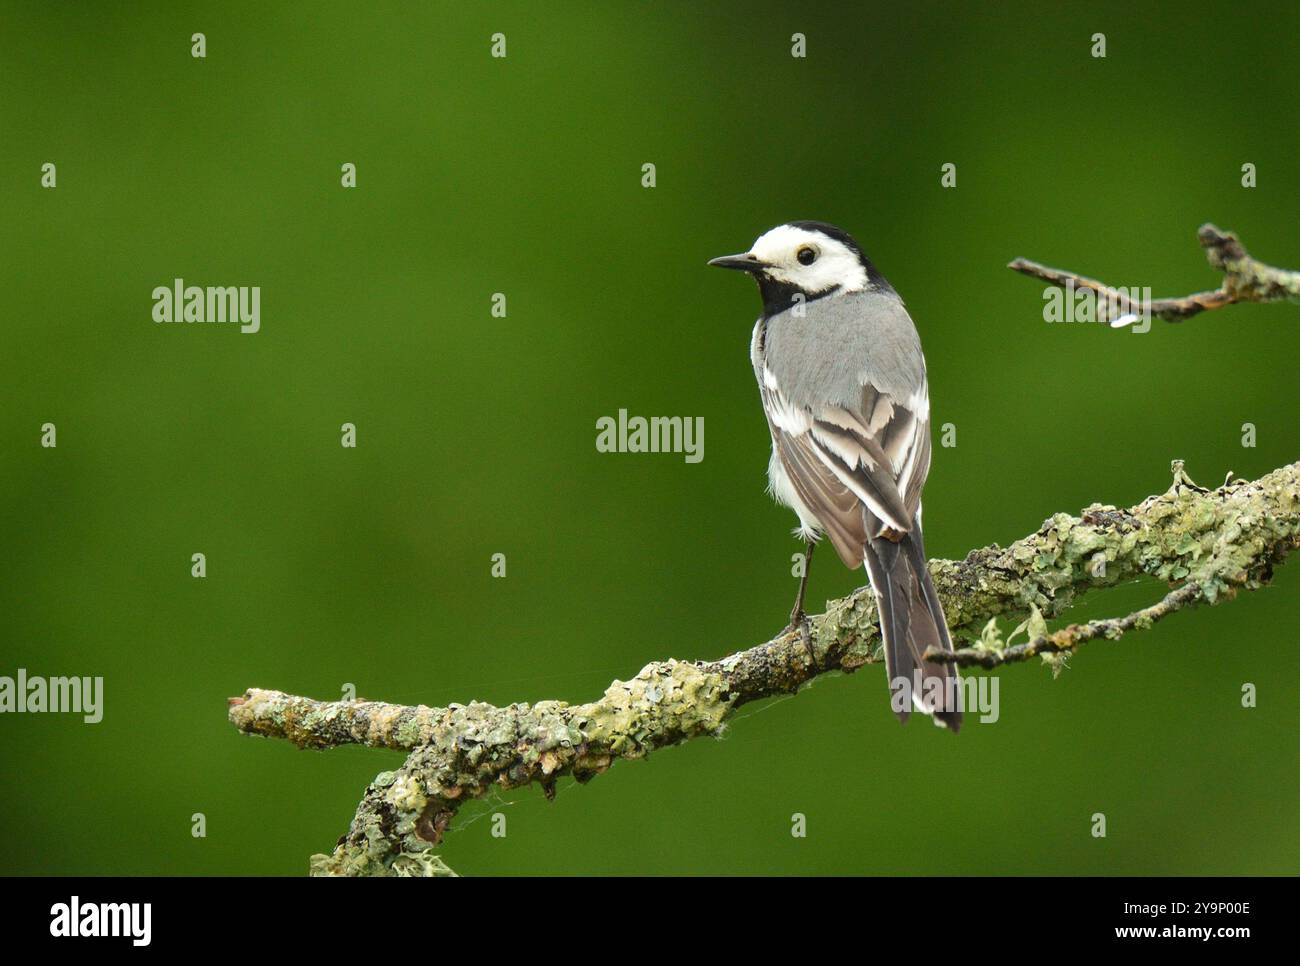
{"x":745,"y":263}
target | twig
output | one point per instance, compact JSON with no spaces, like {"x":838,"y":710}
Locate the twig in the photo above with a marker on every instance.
{"x":1068,"y":638}
{"x":1214,"y":542}
{"x":1244,"y":280}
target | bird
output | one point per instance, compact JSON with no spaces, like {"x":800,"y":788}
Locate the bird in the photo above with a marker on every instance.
{"x":842,"y":379}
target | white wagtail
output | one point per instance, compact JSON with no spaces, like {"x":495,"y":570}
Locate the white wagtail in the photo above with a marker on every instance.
{"x":842,"y":379}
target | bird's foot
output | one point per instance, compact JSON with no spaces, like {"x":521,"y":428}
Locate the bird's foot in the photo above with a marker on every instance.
{"x":799,"y":622}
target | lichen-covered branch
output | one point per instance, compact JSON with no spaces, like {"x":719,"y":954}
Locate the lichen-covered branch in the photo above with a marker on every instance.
{"x":1244,"y":280}
{"x":1210,"y":543}
{"x":326,"y":724}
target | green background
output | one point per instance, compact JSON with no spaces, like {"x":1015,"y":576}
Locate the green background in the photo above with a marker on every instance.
{"x":476,"y":435}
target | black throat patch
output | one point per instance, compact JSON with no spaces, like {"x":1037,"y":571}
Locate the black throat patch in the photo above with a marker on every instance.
{"x":780,"y":296}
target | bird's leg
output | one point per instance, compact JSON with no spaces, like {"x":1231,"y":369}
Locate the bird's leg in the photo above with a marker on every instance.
{"x":799,"y":619}
{"x":797,"y":615}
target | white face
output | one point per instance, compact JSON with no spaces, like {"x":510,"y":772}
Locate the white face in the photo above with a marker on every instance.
{"x":828,"y":262}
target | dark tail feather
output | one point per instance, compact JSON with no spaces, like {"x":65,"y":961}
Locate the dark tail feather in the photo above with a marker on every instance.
{"x":911,"y":620}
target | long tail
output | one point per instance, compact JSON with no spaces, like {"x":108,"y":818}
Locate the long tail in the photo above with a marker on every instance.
{"x":911,"y":620}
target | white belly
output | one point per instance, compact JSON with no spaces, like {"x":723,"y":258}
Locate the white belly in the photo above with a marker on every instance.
{"x":783,"y":491}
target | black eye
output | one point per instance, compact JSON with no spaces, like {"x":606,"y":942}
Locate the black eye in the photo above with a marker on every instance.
{"x":806,"y":255}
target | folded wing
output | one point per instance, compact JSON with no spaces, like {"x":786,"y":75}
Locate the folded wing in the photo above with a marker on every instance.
{"x":859,"y":469}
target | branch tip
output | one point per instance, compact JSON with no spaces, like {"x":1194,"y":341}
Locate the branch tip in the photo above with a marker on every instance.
{"x":1245,"y":280}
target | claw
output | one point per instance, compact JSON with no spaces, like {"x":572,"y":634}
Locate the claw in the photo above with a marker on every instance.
{"x":799,"y":621}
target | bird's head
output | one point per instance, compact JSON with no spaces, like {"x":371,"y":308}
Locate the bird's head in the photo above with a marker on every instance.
{"x":804,"y":260}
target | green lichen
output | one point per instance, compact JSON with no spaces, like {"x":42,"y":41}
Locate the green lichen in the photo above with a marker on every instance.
{"x":666,"y":702}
